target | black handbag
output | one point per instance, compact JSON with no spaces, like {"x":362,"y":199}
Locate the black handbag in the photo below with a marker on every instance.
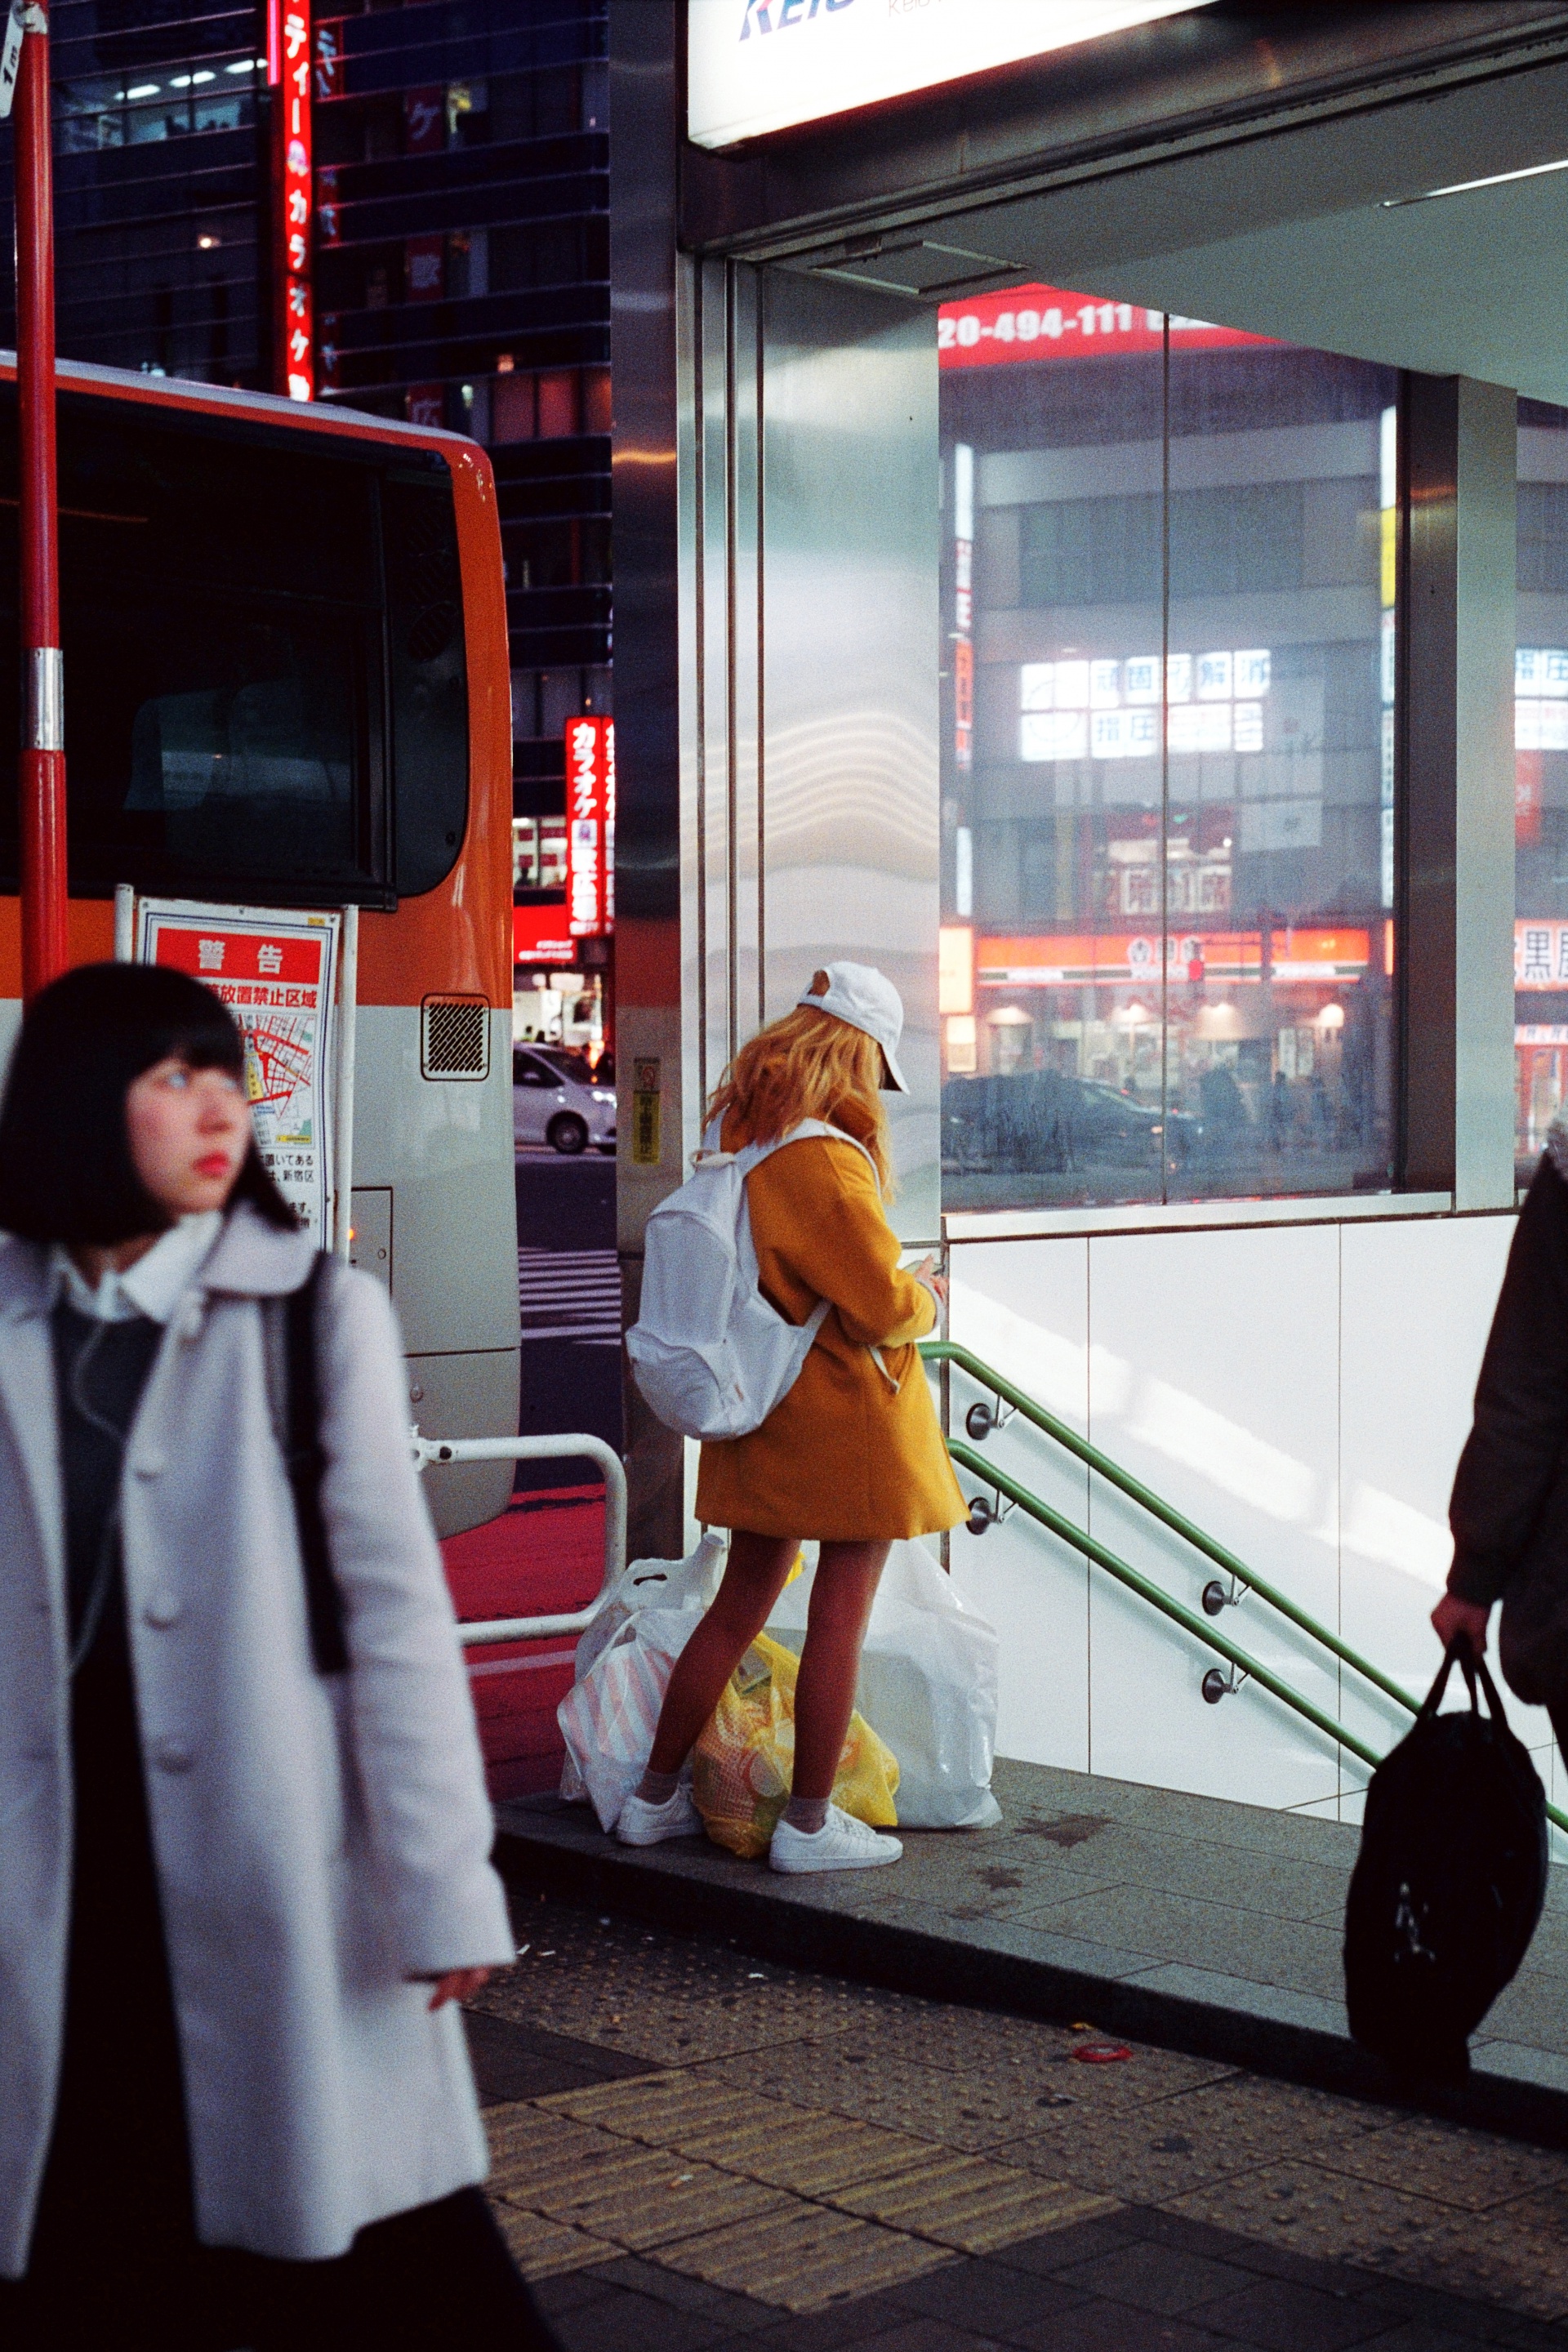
{"x":1450,"y":1882}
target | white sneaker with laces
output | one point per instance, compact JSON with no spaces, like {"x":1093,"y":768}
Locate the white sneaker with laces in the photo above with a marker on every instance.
{"x":642,"y":1823}
{"x":841,"y":1844}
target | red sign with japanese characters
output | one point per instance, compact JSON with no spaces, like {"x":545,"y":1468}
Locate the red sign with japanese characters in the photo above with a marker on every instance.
{"x":590,"y":827}
{"x":289,"y":51}
{"x":274,"y":971}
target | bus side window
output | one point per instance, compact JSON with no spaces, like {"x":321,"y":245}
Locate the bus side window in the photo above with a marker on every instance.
{"x":429,"y":685}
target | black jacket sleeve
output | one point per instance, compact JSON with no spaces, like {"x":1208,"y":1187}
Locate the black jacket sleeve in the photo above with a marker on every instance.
{"x":1519,"y":1438}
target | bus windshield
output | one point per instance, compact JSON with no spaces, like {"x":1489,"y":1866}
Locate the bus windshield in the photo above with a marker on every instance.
{"x":265,"y":687}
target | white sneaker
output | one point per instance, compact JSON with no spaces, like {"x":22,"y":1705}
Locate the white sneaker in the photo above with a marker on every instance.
{"x":642,"y":1823}
{"x":841,"y":1844}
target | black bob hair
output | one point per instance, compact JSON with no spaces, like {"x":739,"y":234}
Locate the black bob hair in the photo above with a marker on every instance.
{"x":65,"y":1170}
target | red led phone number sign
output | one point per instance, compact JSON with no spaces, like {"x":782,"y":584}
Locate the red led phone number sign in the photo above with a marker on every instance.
{"x":1045,"y":322}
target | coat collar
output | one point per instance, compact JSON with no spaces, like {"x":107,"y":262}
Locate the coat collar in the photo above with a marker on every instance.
{"x":250,"y":1258}
{"x":26,"y":1287}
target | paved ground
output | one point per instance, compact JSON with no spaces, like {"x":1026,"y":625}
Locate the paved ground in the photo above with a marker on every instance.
{"x":1213,"y":1927}
{"x":693,"y":2148}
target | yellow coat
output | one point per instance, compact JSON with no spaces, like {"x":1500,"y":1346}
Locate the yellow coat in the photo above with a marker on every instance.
{"x":846,"y":1456}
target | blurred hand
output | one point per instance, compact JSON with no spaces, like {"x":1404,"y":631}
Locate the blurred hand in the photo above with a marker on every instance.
{"x":458,"y":1984}
{"x":926,"y":1272}
{"x":1453,"y":1616}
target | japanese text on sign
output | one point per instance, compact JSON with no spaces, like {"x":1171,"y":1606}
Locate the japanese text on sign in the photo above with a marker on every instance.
{"x":648,"y":1142}
{"x":1540,"y":955}
{"x":274,"y":972}
{"x":289,"y":55}
{"x":590,"y":827}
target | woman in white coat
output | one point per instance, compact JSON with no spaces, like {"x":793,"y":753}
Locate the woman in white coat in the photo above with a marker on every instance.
{"x":240,"y":1897}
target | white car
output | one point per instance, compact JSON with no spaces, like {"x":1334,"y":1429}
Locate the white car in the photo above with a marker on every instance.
{"x":554,"y":1100}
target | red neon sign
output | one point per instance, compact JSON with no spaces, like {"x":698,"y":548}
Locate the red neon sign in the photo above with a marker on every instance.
{"x":590,"y":827}
{"x":297,"y":325}
{"x":1045,"y":322}
{"x":539,"y":935}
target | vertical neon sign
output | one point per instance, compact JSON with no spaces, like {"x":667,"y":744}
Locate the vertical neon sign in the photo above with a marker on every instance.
{"x":590,"y":827}
{"x":289,"y":69}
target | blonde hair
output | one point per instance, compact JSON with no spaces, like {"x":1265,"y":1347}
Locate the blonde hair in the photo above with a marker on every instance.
{"x":808,"y":1065}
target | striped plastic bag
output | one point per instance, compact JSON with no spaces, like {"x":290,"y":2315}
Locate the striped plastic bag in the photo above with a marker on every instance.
{"x":608,"y":1719}
{"x":744,"y":1761}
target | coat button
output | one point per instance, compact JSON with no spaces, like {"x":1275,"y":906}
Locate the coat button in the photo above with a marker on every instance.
{"x":172,"y":1755}
{"x":164,"y":1608}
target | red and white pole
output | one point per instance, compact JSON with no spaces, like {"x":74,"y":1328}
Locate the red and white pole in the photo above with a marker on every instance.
{"x":42,"y":768}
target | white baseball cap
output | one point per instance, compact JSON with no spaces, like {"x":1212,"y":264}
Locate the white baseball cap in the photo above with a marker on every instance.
{"x":865,"y":998}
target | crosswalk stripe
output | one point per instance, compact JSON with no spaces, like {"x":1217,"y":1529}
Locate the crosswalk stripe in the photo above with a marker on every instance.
{"x":570,"y":1295}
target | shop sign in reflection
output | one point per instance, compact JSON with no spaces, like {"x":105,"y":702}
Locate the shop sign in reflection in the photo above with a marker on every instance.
{"x":1046,"y":322}
{"x":1540,"y":955}
{"x":1293,"y":955}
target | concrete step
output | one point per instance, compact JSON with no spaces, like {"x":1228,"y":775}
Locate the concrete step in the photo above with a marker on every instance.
{"x":1210,"y":1928}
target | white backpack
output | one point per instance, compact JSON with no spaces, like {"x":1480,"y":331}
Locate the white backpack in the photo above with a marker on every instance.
{"x":709,"y":1355}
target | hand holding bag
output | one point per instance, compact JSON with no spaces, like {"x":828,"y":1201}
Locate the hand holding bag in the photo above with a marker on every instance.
{"x":1449,"y":1882}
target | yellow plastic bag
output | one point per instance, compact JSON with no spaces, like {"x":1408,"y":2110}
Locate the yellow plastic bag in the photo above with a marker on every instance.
{"x":744,"y":1761}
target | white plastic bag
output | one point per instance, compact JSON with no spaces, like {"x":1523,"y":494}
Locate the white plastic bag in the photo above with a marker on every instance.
{"x":625,"y":1659}
{"x":688,"y":1583}
{"x":928,"y":1684}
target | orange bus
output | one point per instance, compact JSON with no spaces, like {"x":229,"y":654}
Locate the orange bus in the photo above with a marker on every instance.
{"x":287,"y":685}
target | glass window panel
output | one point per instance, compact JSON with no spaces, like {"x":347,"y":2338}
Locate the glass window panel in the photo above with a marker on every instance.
{"x":1051,"y":763}
{"x":1278,"y":1010}
{"x":1541,"y":783}
{"x":1168,"y":854}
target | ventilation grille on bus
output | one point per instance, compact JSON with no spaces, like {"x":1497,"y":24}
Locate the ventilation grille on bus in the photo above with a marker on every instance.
{"x":455,"y":1037}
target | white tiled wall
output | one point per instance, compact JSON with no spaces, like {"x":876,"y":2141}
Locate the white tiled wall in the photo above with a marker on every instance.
{"x":1301,"y":1393}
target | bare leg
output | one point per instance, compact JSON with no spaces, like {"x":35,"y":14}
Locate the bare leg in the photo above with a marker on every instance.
{"x":841,"y":1597}
{"x":753,"y":1578}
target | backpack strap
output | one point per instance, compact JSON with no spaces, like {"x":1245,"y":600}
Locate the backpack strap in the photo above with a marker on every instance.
{"x":805,"y":1130}
{"x":294,"y":1396}
{"x":814,"y":1127}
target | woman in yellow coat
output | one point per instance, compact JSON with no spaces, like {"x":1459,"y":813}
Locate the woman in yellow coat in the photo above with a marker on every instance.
{"x":852,"y":1453}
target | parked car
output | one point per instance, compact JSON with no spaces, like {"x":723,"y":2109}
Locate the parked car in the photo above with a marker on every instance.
{"x":1041,"y":1122}
{"x":551,"y":1103}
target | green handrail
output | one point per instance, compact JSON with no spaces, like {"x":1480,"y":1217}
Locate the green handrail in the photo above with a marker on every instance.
{"x":1178,"y":1610}
{"x":950,"y":1351}
{"x":1079,"y":1540}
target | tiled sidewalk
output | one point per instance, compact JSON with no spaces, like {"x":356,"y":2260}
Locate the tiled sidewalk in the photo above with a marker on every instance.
{"x":1211,"y":1927}
{"x":694,"y":2151}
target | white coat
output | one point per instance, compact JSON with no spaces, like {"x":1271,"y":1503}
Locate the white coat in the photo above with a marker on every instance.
{"x":318,"y":1842}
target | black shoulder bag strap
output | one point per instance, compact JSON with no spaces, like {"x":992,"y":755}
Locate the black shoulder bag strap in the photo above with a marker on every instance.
{"x":305,"y":1464}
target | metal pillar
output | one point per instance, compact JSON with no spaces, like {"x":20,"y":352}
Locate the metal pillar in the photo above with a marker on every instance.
{"x":42,"y":778}
{"x":1458,"y":630}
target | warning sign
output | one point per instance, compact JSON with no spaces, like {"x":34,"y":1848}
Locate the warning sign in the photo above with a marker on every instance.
{"x":275,"y":972}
